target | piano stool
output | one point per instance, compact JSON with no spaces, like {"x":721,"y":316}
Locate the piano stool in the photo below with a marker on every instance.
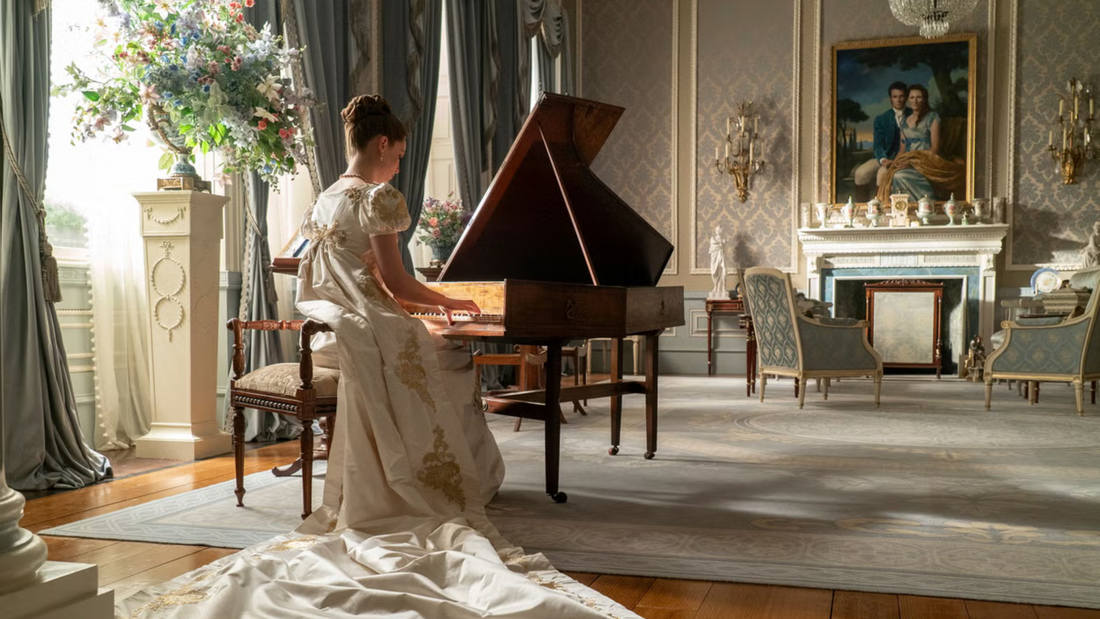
{"x":293,"y":389}
{"x":526,"y":358}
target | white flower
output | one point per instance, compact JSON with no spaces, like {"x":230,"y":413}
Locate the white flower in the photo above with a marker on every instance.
{"x":264,"y":114}
{"x":148,"y":93}
{"x":162,"y":8}
{"x":270,"y":88}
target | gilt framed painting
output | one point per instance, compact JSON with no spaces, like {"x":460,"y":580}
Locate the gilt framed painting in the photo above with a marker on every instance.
{"x":903,"y":119}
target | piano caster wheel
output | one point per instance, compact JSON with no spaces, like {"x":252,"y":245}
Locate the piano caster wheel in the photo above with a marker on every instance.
{"x":613,"y":450}
{"x":649,"y":455}
{"x":559,"y":497}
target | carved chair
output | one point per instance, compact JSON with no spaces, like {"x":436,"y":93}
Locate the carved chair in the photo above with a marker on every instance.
{"x":1064,"y":350}
{"x":790,"y":343}
{"x":295,"y":389}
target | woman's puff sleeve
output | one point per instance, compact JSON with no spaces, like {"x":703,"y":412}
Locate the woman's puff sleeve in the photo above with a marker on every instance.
{"x":382,"y":210}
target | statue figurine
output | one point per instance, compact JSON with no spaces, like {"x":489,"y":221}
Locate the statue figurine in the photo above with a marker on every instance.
{"x":975,"y":360}
{"x":718,"y":265}
{"x":1090,"y":254}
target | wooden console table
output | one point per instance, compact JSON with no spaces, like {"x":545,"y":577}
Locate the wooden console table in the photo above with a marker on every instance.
{"x":733,"y":306}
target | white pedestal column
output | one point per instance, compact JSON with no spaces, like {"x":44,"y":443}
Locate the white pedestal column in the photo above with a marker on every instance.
{"x":30,"y":586}
{"x":182,"y":231}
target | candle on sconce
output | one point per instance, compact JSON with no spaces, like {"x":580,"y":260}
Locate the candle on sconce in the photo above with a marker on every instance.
{"x":728,"y":121}
{"x":1060,"y":104}
{"x":751,"y":144}
{"x":727,"y":150}
{"x":1090,"y":107}
{"x":1063,"y":139}
{"x":717,"y":154}
{"x":755,"y":122}
{"x":1050,"y":139}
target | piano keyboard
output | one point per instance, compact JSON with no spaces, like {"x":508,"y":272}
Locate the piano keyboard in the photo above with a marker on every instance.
{"x":462,"y":317}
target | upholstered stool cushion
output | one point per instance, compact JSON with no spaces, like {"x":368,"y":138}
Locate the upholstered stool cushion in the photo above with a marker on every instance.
{"x":284,"y":379}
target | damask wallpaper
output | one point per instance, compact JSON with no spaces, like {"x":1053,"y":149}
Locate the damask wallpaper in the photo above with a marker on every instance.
{"x":745,"y":53}
{"x":626,"y":60}
{"x":1057,"y":41}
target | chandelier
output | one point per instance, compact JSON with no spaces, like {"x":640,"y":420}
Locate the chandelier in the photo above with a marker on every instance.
{"x":931,"y":15}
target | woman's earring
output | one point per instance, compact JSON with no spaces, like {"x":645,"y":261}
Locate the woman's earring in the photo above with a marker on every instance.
{"x":381,"y":158}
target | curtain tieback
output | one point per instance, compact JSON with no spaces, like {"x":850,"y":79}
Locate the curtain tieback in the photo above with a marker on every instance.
{"x":51,"y":284}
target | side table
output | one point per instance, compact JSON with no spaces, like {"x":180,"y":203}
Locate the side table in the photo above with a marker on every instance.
{"x":733,"y":306}
{"x":430,"y":273}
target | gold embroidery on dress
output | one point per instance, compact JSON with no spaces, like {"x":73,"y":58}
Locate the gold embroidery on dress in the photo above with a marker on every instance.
{"x":328,"y":236}
{"x":410,"y":369}
{"x":387,"y":207}
{"x":556,"y":586}
{"x":297,"y":543}
{"x":441,"y":473}
{"x":368,"y":285}
{"x":188,"y":594}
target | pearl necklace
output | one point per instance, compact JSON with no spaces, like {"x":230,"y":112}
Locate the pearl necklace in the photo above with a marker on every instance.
{"x":353,"y":176}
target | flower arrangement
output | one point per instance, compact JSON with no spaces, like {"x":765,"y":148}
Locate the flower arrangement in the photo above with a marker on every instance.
{"x":441,"y":223}
{"x":201,"y":76}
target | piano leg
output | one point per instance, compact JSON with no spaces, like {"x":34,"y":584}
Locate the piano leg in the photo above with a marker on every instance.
{"x":616,"y":346}
{"x":553,"y":421}
{"x":651,"y":394}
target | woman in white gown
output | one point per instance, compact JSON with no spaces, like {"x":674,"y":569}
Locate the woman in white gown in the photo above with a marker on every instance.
{"x":402,"y":530}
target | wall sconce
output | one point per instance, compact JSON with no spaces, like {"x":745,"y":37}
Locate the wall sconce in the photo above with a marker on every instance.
{"x":740,"y":161}
{"x":1076,"y":133}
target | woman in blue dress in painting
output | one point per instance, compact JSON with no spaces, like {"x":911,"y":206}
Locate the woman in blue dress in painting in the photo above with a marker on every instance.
{"x":919,"y":169}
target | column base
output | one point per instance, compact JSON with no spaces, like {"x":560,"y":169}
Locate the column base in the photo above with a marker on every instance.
{"x":179,"y":442}
{"x":61,"y":591}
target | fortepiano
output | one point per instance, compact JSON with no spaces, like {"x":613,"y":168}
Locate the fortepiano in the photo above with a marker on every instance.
{"x":551,"y":255}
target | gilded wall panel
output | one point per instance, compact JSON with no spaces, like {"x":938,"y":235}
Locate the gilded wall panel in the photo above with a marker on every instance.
{"x":745,"y":52}
{"x":626,"y":60}
{"x":1057,"y":41}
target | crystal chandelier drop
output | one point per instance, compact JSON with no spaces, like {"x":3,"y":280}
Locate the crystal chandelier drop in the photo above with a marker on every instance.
{"x":931,"y":15}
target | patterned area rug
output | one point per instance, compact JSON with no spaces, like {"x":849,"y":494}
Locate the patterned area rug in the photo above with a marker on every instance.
{"x":928,"y":495}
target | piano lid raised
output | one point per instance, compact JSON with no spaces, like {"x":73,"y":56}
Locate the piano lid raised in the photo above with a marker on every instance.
{"x":547,"y":217}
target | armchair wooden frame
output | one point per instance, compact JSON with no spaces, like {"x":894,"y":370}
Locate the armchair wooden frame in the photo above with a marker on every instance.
{"x":305,"y":404}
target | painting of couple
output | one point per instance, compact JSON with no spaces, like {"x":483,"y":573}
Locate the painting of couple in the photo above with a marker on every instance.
{"x":903,"y":119}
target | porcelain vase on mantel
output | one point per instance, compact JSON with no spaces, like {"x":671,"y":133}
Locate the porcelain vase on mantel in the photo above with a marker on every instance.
{"x":925,"y":209}
{"x":874,"y":211}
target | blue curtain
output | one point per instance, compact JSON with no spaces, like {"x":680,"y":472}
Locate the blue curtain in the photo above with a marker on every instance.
{"x":322,"y":29}
{"x":411,"y":32}
{"x":43,"y":444}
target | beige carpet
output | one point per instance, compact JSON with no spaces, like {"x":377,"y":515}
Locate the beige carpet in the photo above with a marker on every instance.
{"x":928,"y":495}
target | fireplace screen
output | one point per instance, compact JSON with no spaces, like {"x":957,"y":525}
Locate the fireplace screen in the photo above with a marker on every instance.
{"x":904,"y":323}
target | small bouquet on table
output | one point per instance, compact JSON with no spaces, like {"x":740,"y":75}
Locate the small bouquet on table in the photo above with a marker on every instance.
{"x":442,"y":223}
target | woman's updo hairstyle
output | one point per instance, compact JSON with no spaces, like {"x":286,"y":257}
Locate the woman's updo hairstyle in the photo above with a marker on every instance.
{"x":367,"y":116}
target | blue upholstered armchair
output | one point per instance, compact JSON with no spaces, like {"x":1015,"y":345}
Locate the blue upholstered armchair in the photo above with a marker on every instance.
{"x":1068,"y":351}
{"x":791,"y":344}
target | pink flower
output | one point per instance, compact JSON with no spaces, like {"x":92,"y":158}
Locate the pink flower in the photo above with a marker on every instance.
{"x":283,"y":133}
{"x":250,"y":3}
{"x":433,"y":222}
{"x":436,"y":233}
{"x":239,"y":18}
{"x":261,"y":125}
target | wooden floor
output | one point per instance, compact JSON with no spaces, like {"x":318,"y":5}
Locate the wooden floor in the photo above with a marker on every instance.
{"x":129,"y":566}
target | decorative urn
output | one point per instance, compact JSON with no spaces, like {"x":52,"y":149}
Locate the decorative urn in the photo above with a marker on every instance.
{"x":950,"y":208}
{"x":981,"y":209}
{"x":822,"y":209}
{"x":874,"y":211}
{"x":848,"y":212}
{"x":925,"y":209}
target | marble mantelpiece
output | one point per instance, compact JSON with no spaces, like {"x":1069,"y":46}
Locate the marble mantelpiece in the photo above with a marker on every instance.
{"x":889,"y":250}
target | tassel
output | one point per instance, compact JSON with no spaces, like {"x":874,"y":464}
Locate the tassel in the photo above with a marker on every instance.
{"x":51,"y":282}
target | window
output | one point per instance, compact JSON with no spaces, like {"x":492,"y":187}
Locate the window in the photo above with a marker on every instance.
{"x":91,"y":179}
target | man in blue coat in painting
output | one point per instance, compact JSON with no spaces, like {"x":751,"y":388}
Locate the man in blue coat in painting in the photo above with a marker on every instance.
{"x":887,"y":137}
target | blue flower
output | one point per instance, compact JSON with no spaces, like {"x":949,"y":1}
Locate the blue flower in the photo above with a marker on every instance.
{"x":206,"y":87}
{"x":267,"y":169}
{"x":173,"y":67}
{"x":173,"y":30}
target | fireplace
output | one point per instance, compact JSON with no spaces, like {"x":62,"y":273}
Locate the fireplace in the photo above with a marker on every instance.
{"x":840,"y":260}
